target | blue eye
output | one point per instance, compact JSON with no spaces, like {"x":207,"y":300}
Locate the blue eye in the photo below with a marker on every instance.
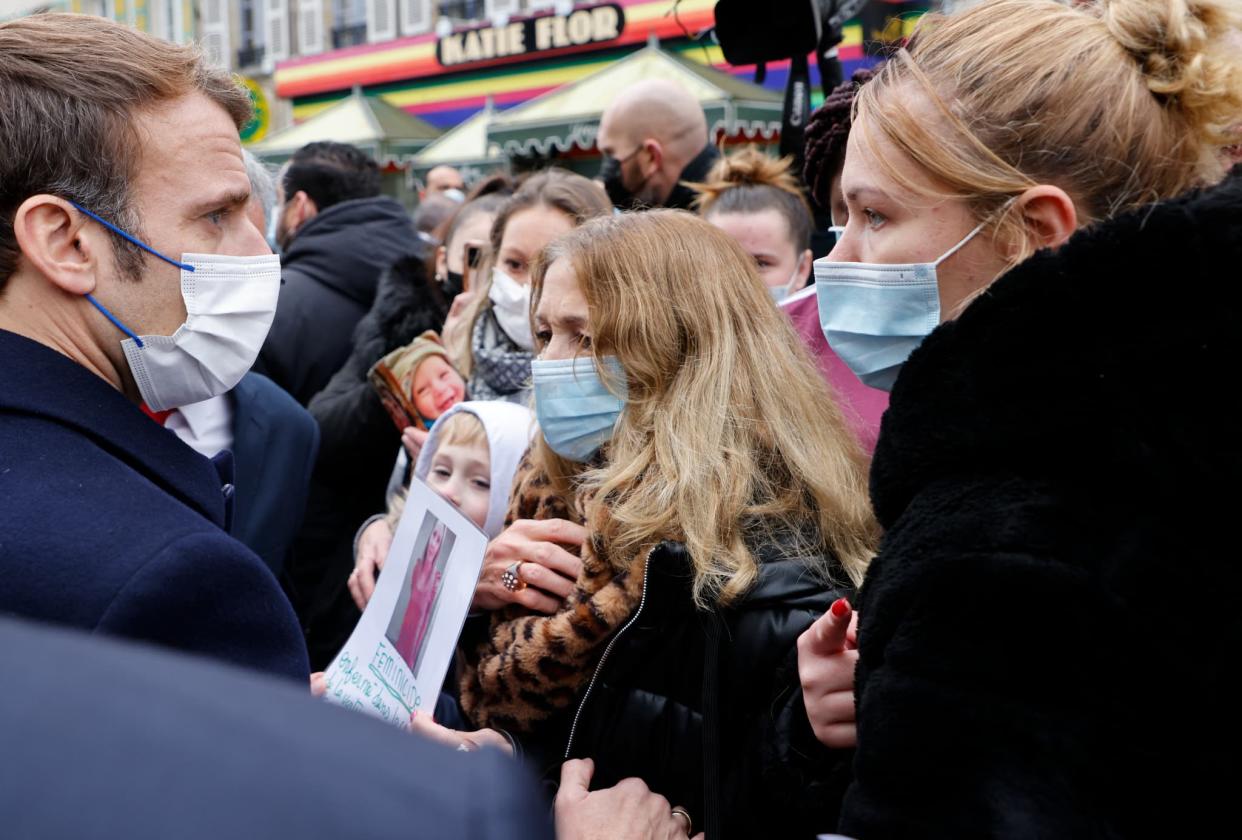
{"x":874,"y":219}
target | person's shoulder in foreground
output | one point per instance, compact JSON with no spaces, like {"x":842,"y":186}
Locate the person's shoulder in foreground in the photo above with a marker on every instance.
{"x":166,"y":746}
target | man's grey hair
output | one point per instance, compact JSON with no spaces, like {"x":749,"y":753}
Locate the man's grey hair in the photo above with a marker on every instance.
{"x":262,"y":183}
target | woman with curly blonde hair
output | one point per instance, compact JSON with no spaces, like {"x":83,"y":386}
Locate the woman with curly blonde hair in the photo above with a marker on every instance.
{"x":725,"y":505}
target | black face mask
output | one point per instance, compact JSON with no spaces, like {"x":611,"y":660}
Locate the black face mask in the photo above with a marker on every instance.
{"x":452,"y":284}
{"x":610,"y":174}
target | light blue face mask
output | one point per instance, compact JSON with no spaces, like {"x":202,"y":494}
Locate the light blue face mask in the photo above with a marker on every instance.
{"x":779,"y":293}
{"x":576,"y":411}
{"x":874,"y":315}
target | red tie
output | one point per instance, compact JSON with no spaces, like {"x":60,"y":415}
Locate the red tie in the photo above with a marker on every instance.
{"x":160,"y":417}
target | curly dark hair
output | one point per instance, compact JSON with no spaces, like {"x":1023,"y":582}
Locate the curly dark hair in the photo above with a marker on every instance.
{"x":826,"y":133}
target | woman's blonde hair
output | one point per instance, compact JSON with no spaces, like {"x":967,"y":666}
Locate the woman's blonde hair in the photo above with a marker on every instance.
{"x":558,"y":189}
{"x":1118,"y":102}
{"x":729,"y":438}
{"x":750,"y":181}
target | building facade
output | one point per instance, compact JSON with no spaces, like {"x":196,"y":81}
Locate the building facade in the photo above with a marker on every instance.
{"x":442,"y":60}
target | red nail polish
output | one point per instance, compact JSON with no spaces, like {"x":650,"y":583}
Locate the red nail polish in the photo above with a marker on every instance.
{"x":840,"y":608}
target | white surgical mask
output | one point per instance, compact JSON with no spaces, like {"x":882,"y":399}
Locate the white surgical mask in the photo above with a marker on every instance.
{"x":511,"y":303}
{"x":229,"y":302}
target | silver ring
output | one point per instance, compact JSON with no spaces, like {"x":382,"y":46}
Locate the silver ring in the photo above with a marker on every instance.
{"x":684,"y":814}
{"x":511,"y":578}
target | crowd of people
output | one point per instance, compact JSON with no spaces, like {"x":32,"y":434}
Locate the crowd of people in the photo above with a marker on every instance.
{"x":890,"y":541}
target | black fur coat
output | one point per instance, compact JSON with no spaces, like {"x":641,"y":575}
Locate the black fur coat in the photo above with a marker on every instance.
{"x":1049,"y":630}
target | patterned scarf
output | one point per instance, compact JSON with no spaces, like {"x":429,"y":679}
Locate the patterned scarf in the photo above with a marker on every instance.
{"x":501,"y":368}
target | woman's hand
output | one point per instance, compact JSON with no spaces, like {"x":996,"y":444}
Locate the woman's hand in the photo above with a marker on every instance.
{"x":422,"y":724}
{"x":827,"y":657}
{"x":373,"y":545}
{"x":627,"y":811}
{"x":318,"y":684}
{"x":546,"y":571}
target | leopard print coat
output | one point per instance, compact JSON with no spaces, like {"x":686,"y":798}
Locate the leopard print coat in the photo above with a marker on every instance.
{"x":534,"y":665}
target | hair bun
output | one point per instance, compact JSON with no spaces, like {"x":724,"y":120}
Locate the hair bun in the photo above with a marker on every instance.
{"x":747,"y":168}
{"x":1189,"y":53}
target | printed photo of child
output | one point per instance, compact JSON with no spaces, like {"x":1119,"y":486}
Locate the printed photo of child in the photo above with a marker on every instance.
{"x":417,"y":383}
{"x":407,"y":629}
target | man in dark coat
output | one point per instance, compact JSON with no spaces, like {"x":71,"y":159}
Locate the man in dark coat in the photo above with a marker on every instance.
{"x":163,"y":746}
{"x":337,"y":234}
{"x":108,"y":522}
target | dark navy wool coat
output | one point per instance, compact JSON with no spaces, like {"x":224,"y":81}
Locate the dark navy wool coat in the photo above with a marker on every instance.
{"x":111,"y":524}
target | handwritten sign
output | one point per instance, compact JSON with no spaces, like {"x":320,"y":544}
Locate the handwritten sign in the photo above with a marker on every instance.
{"x":397,"y":656}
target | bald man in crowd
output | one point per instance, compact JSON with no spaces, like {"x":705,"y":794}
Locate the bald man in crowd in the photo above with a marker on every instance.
{"x":653,"y":137}
{"x":444,"y":179}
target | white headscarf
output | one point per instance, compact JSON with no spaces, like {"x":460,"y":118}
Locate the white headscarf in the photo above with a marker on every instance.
{"x":509,"y":430}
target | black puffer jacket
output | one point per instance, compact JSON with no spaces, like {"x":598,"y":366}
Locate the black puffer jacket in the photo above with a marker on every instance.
{"x":1051,"y":628}
{"x":330,"y":272}
{"x":359,"y":444}
{"x":706,"y":707}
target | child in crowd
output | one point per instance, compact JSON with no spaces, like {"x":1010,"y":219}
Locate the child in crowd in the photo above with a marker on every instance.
{"x":470,"y":458}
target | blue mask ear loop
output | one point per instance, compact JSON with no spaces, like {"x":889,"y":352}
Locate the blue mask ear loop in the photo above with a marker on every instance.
{"x":115,"y":321}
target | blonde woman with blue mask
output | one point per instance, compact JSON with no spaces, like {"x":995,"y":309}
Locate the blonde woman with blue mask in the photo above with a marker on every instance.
{"x":1058,"y":463}
{"x":723,"y":506}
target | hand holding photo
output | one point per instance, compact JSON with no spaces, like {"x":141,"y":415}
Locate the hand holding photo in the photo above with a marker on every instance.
{"x":397,"y":656}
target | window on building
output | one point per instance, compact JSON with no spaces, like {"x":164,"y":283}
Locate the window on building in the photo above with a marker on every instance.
{"x":416,"y":15}
{"x":99,"y":8}
{"x":252,"y":26}
{"x":214,"y":32}
{"x":349,"y":23}
{"x":164,"y":20}
{"x":463,"y":10}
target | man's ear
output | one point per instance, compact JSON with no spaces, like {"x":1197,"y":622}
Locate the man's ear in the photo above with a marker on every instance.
{"x":655,"y":157}
{"x":59,"y":243}
{"x":304,"y":208}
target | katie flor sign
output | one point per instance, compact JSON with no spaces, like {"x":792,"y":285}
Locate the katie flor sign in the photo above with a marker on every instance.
{"x":594,"y":25}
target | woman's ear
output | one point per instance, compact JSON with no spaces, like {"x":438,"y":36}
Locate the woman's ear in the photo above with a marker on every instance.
{"x":1049,"y":215}
{"x":805,"y":264}
{"x":56,"y":241}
